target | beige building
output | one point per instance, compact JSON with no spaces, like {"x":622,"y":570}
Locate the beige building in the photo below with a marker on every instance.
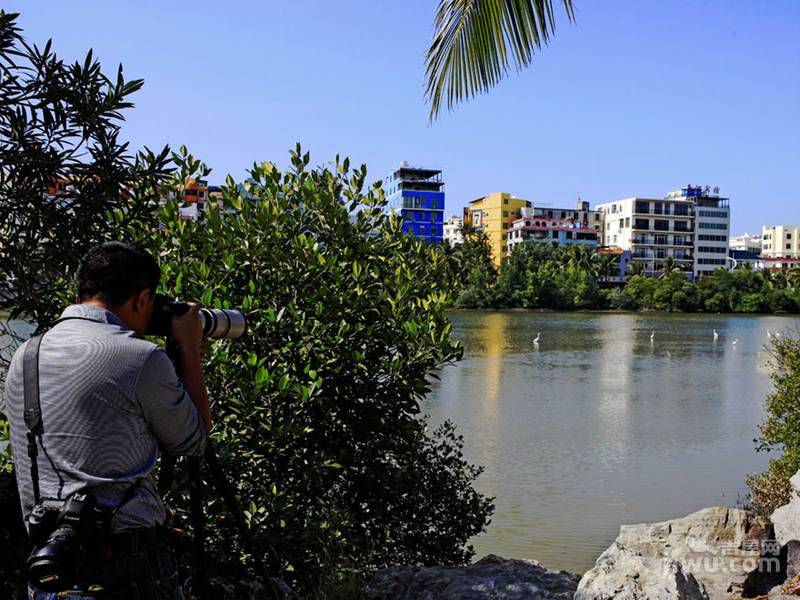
{"x":780,"y":241}
{"x":494,"y":214}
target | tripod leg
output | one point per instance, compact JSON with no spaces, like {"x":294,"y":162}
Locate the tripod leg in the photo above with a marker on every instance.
{"x":199,"y":526}
{"x":166,"y":474}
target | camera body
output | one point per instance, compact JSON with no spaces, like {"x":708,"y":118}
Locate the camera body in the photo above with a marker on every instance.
{"x":216,"y":322}
{"x":61,"y":531}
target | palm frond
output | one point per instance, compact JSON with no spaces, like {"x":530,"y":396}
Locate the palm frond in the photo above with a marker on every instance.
{"x":475,"y":40}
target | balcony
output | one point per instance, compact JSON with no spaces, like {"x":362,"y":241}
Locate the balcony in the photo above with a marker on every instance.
{"x":652,"y":228}
{"x":665,"y":213}
{"x":645,"y":255}
{"x":652,"y":241}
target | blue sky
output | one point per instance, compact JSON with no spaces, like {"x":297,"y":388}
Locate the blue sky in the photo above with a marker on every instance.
{"x":635,"y":98}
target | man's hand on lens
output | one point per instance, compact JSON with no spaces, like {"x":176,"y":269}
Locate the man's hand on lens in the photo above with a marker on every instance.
{"x":187,"y":331}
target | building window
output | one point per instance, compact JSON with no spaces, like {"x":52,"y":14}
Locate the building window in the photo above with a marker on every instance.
{"x":788,"y":246}
{"x":627,"y":221}
{"x":505,"y":213}
{"x":505,"y":200}
{"x":505,"y":225}
{"x":713,"y":226}
{"x":661,"y":225}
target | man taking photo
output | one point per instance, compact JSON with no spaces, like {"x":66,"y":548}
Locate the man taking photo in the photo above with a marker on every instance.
{"x":109,"y":402}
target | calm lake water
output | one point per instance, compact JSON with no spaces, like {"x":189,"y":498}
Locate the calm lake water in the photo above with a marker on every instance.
{"x":598,"y":426}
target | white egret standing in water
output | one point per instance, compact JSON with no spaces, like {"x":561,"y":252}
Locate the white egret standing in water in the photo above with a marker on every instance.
{"x":536,"y":339}
{"x":736,"y":341}
{"x":716,"y":335}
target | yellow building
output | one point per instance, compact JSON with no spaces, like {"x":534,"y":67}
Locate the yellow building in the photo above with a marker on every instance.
{"x":494,"y":214}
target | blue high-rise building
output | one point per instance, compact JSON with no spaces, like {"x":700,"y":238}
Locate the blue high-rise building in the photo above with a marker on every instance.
{"x":418,"y":195}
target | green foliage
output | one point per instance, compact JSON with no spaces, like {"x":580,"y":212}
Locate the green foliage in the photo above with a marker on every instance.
{"x":781,"y":429}
{"x":59,"y":126}
{"x":473,"y":42}
{"x":317,"y":408}
{"x":576,"y":277}
{"x":472,"y":271}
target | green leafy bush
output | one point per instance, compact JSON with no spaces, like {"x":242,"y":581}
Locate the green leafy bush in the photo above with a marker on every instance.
{"x":780,"y":432}
{"x":317,"y":408}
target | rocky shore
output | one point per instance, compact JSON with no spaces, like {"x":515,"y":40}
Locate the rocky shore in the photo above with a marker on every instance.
{"x":716,"y":553}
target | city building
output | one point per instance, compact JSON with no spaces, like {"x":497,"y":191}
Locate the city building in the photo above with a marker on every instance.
{"x":417,"y":194}
{"x":530,"y":228}
{"x":746,"y":242}
{"x":691,"y":226}
{"x":780,"y":241}
{"x":494,"y":214}
{"x":712,"y":226}
{"x":781,"y":264}
{"x":740,"y":258}
{"x":581,"y":213}
{"x":195,"y":198}
{"x":452,"y":231}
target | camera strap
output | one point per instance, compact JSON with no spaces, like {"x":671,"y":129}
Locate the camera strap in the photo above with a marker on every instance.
{"x":33,"y":405}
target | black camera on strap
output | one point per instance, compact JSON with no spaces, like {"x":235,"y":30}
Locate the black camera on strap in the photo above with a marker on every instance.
{"x":62,"y":531}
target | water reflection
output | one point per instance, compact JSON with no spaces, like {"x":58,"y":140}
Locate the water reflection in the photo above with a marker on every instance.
{"x":599,"y":426}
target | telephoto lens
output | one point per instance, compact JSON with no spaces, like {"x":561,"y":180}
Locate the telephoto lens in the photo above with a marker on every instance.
{"x":217,"y":323}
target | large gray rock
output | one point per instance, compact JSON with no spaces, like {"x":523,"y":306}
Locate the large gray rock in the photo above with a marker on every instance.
{"x":491,"y":577}
{"x":708,"y":555}
{"x":786,"y":519}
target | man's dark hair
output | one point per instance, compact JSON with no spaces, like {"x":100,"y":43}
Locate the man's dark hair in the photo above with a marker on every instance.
{"x":113,"y":272}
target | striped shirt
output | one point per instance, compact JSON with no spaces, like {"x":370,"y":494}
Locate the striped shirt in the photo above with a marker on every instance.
{"x":110,"y":400}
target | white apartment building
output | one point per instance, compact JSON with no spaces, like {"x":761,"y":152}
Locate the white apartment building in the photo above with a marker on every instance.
{"x":780,"y":241}
{"x":712,"y":230}
{"x":690,"y":225}
{"x":452,"y":235}
{"x":746,"y":243}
